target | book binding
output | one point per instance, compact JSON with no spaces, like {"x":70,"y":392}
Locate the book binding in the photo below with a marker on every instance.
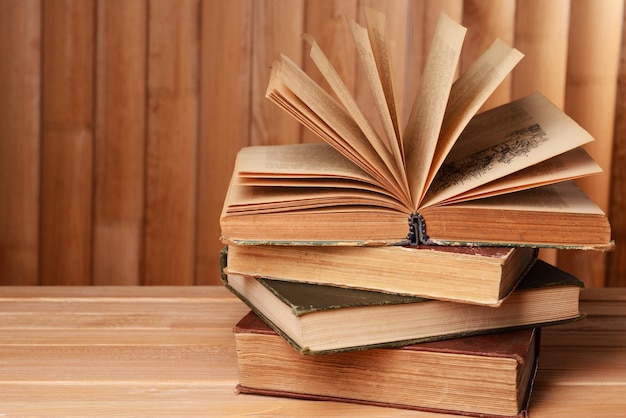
{"x":417,"y":230}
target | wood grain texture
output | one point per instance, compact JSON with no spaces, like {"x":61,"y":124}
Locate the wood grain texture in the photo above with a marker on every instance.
{"x":225,"y":78}
{"x":327,"y":22}
{"x":20,"y":104}
{"x":541,"y":33}
{"x":487,"y":21}
{"x":593,"y":58}
{"x":172,"y":142}
{"x":170,"y":351}
{"x":119,"y":141}
{"x":67,"y":142}
{"x":277,"y":27}
{"x":616,"y":260}
{"x":119,"y":121}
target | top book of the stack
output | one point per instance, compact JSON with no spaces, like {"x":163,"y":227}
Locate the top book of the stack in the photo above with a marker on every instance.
{"x":451,"y":176}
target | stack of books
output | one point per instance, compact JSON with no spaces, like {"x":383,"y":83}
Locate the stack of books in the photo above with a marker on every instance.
{"x":398,"y":267}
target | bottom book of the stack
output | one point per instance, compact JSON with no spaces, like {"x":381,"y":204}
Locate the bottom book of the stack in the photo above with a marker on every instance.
{"x":486,"y":375}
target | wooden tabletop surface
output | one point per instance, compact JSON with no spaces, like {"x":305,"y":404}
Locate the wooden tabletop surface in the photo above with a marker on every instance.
{"x":169,"y":351}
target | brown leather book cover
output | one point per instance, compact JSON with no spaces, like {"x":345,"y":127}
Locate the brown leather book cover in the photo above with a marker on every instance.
{"x":512,"y":344}
{"x":304,"y":396}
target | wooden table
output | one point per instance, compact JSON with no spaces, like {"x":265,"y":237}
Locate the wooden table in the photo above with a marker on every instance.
{"x":159,"y":351}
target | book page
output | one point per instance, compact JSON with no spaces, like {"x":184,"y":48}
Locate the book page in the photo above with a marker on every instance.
{"x":297,"y":161}
{"x":503,"y":141}
{"x":561,"y":197}
{"x":393,"y":162}
{"x":290,"y":172}
{"x":292,"y":90}
{"x":571,"y":165}
{"x":368,"y":64}
{"x":428,"y":109}
{"x":469,"y":93}
{"x":312,"y":182}
{"x":256,"y":200}
{"x":377,"y":32}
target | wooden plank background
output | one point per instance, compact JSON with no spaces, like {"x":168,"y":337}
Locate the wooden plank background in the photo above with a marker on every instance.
{"x":120,"y":119}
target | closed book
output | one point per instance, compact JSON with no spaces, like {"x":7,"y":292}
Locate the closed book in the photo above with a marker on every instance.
{"x":481,"y":275}
{"x":318,"y":319}
{"x":488,"y":375}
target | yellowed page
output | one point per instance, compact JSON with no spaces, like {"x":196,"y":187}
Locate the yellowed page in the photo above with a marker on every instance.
{"x":293,"y":174}
{"x":254,"y":200}
{"x":284,"y":98}
{"x":469,"y":93}
{"x":313,"y":182}
{"x":373,"y":60}
{"x":559,"y":197}
{"x":427,"y":112}
{"x":571,"y":165}
{"x":503,"y":141}
{"x":393,"y":163}
{"x":314,"y":160}
{"x":294,"y":91}
{"x":368,"y":64}
{"x":377,"y":31}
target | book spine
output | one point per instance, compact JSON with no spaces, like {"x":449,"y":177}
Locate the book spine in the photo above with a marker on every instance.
{"x":417,"y":230}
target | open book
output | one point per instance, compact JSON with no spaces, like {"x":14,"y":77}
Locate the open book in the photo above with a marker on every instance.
{"x":448,"y":176}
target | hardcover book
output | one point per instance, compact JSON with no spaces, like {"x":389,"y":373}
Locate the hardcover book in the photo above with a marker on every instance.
{"x":489,"y":375}
{"x":450,"y":175}
{"x":318,"y":319}
{"x":481,"y":275}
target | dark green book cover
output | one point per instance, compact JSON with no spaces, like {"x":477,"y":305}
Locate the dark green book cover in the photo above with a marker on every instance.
{"x":304,"y":299}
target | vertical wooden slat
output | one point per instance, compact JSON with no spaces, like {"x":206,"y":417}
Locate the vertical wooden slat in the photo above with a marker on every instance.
{"x":326,"y":22}
{"x":277,"y":27}
{"x":594,"y":45}
{"x":100,"y":175}
{"x":487,"y":21}
{"x":616,"y":269}
{"x":119,"y":148}
{"x":172,"y":138}
{"x":541,"y":33}
{"x":20,"y":84}
{"x":67,"y":142}
{"x":225,"y":122}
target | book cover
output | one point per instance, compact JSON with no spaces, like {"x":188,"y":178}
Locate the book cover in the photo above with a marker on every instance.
{"x":318,"y":320}
{"x":489,"y":375}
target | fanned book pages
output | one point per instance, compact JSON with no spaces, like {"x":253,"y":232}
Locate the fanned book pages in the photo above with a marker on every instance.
{"x":449,"y":175}
{"x":482,"y":376}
